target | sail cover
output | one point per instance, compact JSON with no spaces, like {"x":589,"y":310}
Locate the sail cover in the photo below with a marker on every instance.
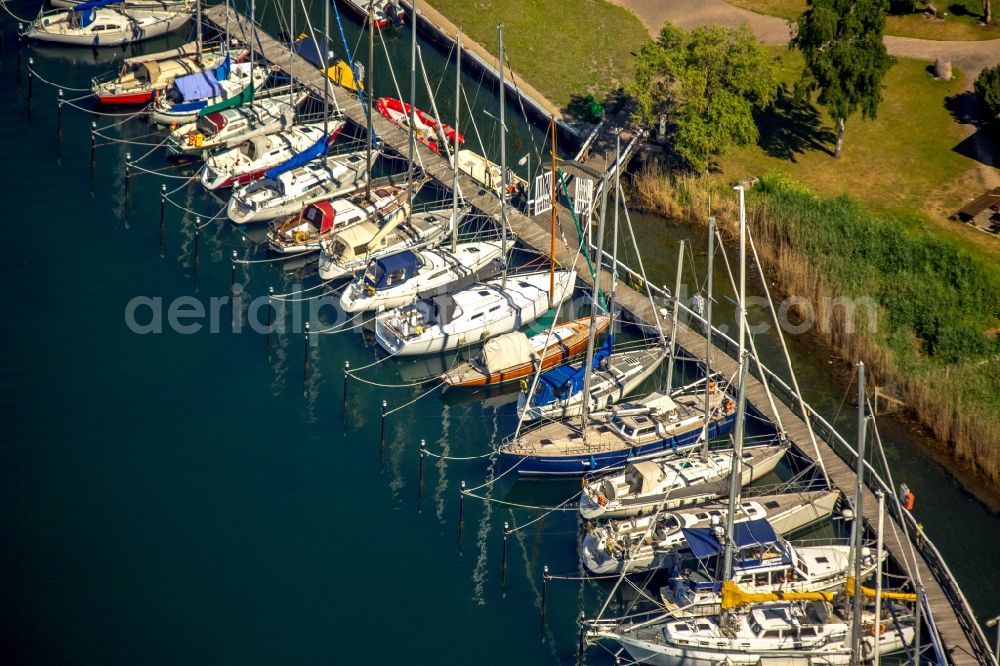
{"x":704,"y":543}
{"x":245,"y":96}
{"x":311,"y":50}
{"x":86,"y":10}
{"x":312,"y":152}
{"x":506,"y":351}
{"x":200,"y":85}
{"x":564,"y":381}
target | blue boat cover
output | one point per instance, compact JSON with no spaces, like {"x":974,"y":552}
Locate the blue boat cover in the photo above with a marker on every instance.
{"x":319,"y":148}
{"x":703,"y":542}
{"x":200,"y":85}
{"x":565,"y":380}
{"x":405,"y":261}
{"x":311,"y":51}
{"x":222,"y":71}
{"x":86,"y":10}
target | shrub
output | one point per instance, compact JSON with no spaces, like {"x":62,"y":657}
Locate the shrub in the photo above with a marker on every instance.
{"x":988,"y":88}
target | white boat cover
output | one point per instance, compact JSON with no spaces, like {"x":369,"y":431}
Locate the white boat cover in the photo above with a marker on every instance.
{"x":648,"y":472}
{"x":505,"y":351}
{"x":660,"y":404}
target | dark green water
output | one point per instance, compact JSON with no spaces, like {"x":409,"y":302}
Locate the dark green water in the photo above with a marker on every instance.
{"x":170,"y":498}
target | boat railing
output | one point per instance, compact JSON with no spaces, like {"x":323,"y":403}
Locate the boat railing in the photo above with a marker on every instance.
{"x":795,"y":486}
{"x":825,"y":431}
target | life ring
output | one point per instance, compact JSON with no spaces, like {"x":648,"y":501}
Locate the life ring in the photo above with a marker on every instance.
{"x":881,"y":629}
{"x":711,"y":388}
{"x":729,"y":406}
{"x":524,"y":389}
{"x":191,"y":138}
{"x":300,"y":236}
{"x":370,"y":290}
{"x":601,"y":500}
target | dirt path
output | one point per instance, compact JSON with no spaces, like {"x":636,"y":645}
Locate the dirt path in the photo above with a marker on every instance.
{"x":970,"y":57}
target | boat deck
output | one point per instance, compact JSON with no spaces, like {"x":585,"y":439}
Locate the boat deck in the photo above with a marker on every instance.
{"x":963,"y":642}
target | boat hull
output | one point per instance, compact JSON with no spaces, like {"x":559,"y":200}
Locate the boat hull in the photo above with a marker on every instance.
{"x":141,"y":97}
{"x":590,"y":461}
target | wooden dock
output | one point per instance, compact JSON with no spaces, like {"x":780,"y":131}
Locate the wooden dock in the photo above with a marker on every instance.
{"x":956,"y":637}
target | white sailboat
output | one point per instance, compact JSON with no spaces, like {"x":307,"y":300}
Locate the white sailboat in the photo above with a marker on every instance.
{"x":187,"y":95}
{"x":402,"y":278}
{"x":306,"y":230}
{"x":288,"y":192}
{"x":671,"y":482}
{"x":471,"y":315}
{"x":230,"y":127}
{"x":250,"y":160}
{"x":96,"y":24}
{"x":351,"y":250}
{"x":655,"y":541}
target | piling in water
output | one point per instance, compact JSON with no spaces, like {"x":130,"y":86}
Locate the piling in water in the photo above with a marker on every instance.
{"x":545,"y":594}
{"x":128,"y":177}
{"x":347,"y":372}
{"x":31,"y":80}
{"x":420,"y":481}
{"x":59,"y":119}
{"x":305,"y":359}
{"x":270,"y":319}
{"x":381,"y":442}
{"x":93,"y":151}
{"x":197,"y":259}
{"x":163,"y":211}
{"x":503,"y":560}
{"x":461,"y":515}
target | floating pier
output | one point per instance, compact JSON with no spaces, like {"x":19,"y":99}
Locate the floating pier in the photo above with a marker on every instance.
{"x":955,"y":636}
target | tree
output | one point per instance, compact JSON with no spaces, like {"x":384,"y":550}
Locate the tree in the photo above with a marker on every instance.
{"x":845,"y":57}
{"x":707,"y":82}
{"x":987,"y":12}
{"x":987,"y":86}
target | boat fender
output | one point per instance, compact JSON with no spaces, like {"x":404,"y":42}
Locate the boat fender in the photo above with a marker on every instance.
{"x":199,"y":140}
{"x":908,"y":501}
{"x":881,"y":629}
{"x":370,"y":290}
{"x":711,"y":388}
{"x":583,"y":479}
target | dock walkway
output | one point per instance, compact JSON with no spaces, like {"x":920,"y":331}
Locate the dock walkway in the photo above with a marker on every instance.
{"x":959,"y":638}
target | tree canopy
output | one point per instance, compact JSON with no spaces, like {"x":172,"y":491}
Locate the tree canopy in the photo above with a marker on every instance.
{"x":707,"y":82}
{"x":845,"y":56}
{"x":987,"y":86}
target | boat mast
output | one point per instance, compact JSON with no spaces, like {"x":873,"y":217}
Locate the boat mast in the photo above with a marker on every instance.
{"x":413,"y":108}
{"x":503,"y":154}
{"x":673,"y":321}
{"x":454,"y":177}
{"x":326,"y":75}
{"x":614,"y":234}
{"x":291,"y":53}
{"x":368,"y":90}
{"x":708,"y":336}
{"x":197,"y":17}
{"x":552,"y":231}
{"x":594,"y":306}
{"x":741,"y":401}
{"x":858,"y":527}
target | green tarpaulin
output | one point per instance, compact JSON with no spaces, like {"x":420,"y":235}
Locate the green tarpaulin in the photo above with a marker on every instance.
{"x":238,"y":100}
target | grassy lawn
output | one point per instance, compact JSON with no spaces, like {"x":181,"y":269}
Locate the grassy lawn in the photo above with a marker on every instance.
{"x":902,"y":161}
{"x":560,"y":57}
{"x":961,"y":22}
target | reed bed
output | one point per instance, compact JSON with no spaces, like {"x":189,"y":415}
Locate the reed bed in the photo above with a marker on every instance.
{"x":933,"y":344}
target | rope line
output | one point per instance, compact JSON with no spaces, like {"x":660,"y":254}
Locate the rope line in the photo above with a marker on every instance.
{"x":426,"y":393}
{"x":35,"y":73}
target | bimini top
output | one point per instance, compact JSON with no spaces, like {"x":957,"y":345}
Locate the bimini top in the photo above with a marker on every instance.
{"x":704,"y":543}
{"x":200,"y":85}
{"x":394,"y":269}
{"x":565,"y":380}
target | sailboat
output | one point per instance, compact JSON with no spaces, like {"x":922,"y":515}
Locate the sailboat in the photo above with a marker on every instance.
{"x":230,"y":84}
{"x":384,"y":13}
{"x":253,"y":157}
{"x":351,"y":250}
{"x":671,"y":482}
{"x":657,"y":540}
{"x":512,"y":356}
{"x":306,"y":230}
{"x":402,"y":278}
{"x":764,"y":563}
{"x":140,"y":77}
{"x":96,"y":24}
{"x":230,"y":127}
